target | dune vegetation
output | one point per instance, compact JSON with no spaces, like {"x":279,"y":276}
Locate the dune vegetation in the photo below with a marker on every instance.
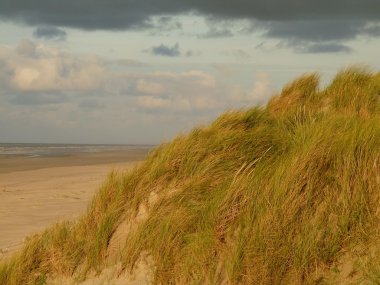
{"x":288,"y":193}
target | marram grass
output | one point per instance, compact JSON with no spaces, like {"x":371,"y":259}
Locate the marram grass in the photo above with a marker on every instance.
{"x":286,"y":194}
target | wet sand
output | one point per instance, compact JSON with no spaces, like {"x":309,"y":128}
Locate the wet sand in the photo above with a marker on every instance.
{"x":21,"y":163}
{"x":37,"y":192}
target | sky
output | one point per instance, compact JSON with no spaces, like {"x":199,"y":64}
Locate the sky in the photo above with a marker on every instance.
{"x":142,"y":71}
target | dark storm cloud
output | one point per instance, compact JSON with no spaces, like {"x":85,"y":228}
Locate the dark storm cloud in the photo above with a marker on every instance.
{"x":122,"y":14}
{"x":300,"y":46}
{"x":309,"y":20}
{"x":49,"y":33}
{"x":323,"y":48}
{"x":327,"y":48}
{"x":166,"y":50}
{"x":165,"y":24}
{"x":325,"y":30}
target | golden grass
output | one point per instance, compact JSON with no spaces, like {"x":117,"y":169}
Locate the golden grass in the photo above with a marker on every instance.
{"x":274,"y":195}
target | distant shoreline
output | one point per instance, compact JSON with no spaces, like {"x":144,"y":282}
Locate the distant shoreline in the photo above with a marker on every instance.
{"x":56,"y":150}
{"x":11,"y":163}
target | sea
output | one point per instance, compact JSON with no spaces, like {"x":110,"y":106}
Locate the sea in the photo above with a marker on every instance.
{"x":54,"y":150}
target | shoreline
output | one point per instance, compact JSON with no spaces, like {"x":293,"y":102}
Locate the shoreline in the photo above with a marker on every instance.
{"x":23,"y":163}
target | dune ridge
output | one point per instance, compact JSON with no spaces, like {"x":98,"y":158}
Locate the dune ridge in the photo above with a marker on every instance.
{"x":282,"y":194}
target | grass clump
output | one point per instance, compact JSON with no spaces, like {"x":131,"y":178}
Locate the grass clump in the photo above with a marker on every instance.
{"x":284,"y":194}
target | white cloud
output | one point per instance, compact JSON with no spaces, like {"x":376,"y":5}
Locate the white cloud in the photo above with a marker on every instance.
{"x":147,"y":87}
{"x":258,"y":94}
{"x":189,"y":91}
{"x":200,"y":77}
{"x":30,"y":68}
{"x":157,"y":103}
{"x":195,"y":76}
{"x":262,"y":87}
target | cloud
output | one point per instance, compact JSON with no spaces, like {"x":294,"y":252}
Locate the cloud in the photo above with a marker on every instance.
{"x":182,"y":104}
{"x":38,"y":98}
{"x":162,"y":25}
{"x":316,"y":36}
{"x":147,"y":87}
{"x":288,"y":19}
{"x":37,"y":74}
{"x":31,"y":67}
{"x":259,"y":93}
{"x":321,"y":30}
{"x":214,"y":33}
{"x":91,"y":105}
{"x":191,"y":53}
{"x":116,"y":14}
{"x":50,"y":94}
{"x":50,"y":33}
{"x":164,"y":50}
{"x":325,"y":48}
{"x":190,"y":91}
{"x":34,"y":74}
{"x":154,"y":103}
{"x":27,"y":48}
{"x":128,"y":63}
{"x":222,"y":28}
{"x":238,"y":54}
{"x":371,"y":29}
{"x":312,"y":47}
{"x":56,"y":74}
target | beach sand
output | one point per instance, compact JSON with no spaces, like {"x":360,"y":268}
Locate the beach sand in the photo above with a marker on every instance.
{"x":36,"y":192}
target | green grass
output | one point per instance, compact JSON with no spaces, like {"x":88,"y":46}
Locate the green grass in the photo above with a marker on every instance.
{"x":276,"y":195}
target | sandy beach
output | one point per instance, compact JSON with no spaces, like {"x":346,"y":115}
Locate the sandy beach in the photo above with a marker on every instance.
{"x":36,"y":192}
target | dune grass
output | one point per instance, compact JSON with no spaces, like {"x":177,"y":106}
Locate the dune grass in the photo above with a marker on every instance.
{"x":284,"y":194}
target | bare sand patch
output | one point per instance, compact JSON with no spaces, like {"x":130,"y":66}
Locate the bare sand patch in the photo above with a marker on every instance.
{"x":32,"y":199}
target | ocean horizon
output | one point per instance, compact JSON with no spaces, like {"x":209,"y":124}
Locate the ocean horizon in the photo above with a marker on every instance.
{"x":62,"y":149}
